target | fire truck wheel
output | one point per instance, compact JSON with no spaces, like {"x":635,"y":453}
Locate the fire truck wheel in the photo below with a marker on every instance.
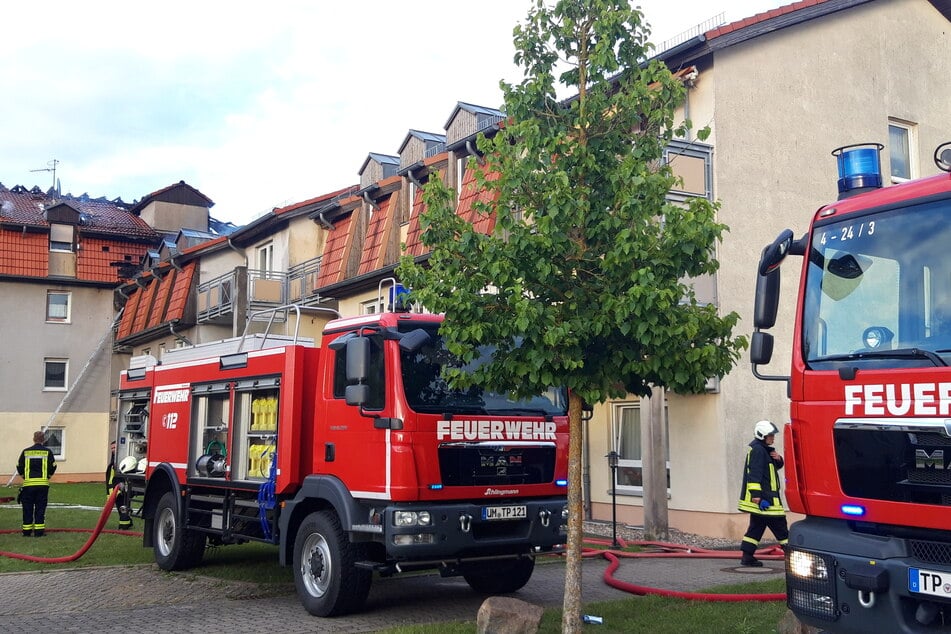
{"x":176,"y":548}
{"x":325,"y":573}
{"x":500,"y":577}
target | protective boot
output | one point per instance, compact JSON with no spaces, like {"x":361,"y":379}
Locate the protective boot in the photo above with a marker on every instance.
{"x":748,"y":559}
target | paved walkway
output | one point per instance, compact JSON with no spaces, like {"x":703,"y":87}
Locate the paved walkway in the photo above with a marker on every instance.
{"x":145,"y":599}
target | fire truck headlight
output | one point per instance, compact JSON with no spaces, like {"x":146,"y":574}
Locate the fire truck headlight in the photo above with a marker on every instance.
{"x":807,"y":566}
{"x":412,"y":518}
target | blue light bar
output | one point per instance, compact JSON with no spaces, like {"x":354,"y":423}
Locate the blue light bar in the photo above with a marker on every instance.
{"x":561,"y":483}
{"x":853,"y":509}
{"x":859,"y":166}
{"x":435,"y":487}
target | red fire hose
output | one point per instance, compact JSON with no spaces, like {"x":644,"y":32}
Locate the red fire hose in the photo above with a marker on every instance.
{"x":677,"y":550}
{"x":103,"y":518}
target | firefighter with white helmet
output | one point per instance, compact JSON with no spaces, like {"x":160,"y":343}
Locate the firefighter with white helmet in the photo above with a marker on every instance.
{"x":126,"y":466}
{"x":759,"y":495}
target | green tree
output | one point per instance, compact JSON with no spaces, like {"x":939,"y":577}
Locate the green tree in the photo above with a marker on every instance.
{"x":585,"y":266}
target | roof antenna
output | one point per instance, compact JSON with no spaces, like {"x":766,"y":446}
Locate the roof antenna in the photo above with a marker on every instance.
{"x":50,"y":167}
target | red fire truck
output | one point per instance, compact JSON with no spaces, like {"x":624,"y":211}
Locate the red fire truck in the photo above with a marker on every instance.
{"x":354,"y":457}
{"x":868,"y":444}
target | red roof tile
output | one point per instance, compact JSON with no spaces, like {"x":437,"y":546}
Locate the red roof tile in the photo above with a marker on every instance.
{"x":161,"y":299}
{"x":178,"y":300}
{"x":129,"y":315}
{"x":335,"y":252}
{"x":414,"y":243}
{"x":378,"y":233}
{"x":483,"y":223}
{"x":24,"y":254}
{"x":760,"y":17}
{"x":145,"y":305}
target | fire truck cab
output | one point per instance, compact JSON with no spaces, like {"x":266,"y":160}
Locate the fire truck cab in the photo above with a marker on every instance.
{"x":869,"y":436}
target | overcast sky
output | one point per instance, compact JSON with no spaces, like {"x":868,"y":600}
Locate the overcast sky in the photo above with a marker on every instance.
{"x":257,"y":105}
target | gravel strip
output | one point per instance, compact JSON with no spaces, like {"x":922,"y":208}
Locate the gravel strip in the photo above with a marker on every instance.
{"x":674,"y":536}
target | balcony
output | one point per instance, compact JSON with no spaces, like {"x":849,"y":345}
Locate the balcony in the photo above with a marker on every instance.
{"x":232,"y":296}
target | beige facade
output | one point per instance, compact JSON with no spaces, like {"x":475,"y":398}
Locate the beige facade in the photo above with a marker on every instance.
{"x":777,"y":105}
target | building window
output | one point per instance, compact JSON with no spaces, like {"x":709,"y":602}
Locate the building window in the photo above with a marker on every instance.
{"x":902,"y":146}
{"x":370,"y":308}
{"x":55,"y":374}
{"x":56,"y":442}
{"x":61,"y":238}
{"x":626,"y":426}
{"x":57,"y":306}
{"x":266,"y":257}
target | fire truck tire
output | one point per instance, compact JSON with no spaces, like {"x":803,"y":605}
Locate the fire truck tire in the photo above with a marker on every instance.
{"x":500,"y":577}
{"x":175,"y":547}
{"x":325,"y":573}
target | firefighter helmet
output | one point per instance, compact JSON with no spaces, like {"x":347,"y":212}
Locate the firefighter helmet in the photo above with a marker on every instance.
{"x":763,"y":429}
{"x":128,"y":464}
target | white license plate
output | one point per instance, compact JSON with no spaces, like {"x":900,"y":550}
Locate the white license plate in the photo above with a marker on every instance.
{"x":504,"y":512}
{"x":937,"y":584}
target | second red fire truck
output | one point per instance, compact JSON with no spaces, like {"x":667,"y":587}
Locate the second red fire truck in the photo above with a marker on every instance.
{"x":354,"y":457}
{"x":868,"y":444}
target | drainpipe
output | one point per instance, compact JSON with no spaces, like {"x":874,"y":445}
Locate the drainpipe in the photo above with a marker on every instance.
{"x":182,"y":338}
{"x":370,"y":201}
{"x":240,"y":252}
{"x":690,"y":81}
{"x":326,"y":224}
{"x":473,"y":150}
{"x":412,"y":178}
{"x":174,"y":265}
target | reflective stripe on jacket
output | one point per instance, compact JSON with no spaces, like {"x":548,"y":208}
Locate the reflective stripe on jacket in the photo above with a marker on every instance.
{"x":36,"y":466}
{"x":761,"y":480}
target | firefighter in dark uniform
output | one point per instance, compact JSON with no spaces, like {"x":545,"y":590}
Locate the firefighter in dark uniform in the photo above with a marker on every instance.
{"x":36,"y":466}
{"x":760,"y":493}
{"x":122,"y":498}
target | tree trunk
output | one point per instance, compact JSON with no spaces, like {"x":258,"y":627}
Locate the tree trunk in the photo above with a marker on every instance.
{"x":571,"y":608}
{"x":654,"y":469}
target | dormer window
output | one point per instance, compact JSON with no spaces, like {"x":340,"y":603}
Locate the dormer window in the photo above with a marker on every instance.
{"x":62,"y":238}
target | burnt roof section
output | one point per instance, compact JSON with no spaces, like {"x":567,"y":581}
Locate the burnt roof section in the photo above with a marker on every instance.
{"x":29,"y":207}
{"x":180,"y":193}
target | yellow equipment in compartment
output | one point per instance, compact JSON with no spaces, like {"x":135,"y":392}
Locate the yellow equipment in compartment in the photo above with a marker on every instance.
{"x":264,"y":413}
{"x":259,"y":460}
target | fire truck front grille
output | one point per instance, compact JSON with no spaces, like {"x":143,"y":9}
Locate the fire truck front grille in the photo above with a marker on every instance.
{"x":931,"y":552}
{"x":894,"y":465}
{"x":929,"y":476}
{"x":475,"y":464}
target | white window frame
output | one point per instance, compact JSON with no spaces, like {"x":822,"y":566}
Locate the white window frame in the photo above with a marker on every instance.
{"x":628,"y":462}
{"x":371,"y":307}
{"x":60,"y":434}
{"x":69,"y":304}
{"x":265,"y":257}
{"x":911,"y":136}
{"x":56,"y":388}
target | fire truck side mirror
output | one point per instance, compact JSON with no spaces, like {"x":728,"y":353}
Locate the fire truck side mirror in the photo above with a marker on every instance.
{"x":357,"y":394}
{"x":358,"y":359}
{"x":761,"y":348}
{"x":766,"y":301}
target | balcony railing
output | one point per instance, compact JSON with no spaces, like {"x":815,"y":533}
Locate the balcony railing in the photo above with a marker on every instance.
{"x":242,"y":290}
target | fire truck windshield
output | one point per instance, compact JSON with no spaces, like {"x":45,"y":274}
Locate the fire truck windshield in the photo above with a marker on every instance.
{"x":427,"y":391}
{"x":878,"y":290}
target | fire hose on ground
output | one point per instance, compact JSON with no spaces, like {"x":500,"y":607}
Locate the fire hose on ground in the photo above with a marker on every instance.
{"x":667,"y":550}
{"x":95,"y":532}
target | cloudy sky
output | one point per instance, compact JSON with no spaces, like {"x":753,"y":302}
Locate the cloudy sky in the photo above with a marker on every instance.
{"x":255,"y":105}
